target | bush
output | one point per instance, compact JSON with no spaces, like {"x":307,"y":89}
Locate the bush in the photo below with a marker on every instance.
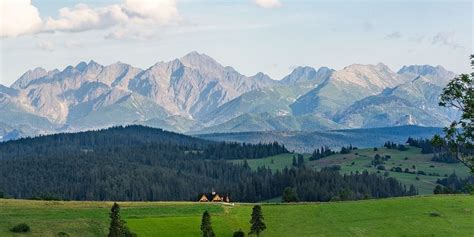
{"x":20,"y":228}
{"x":239,"y":233}
{"x":421,"y":172}
{"x":435,"y":214}
{"x":62,"y":234}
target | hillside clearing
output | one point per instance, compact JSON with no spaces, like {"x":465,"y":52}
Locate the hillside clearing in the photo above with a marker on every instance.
{"x":360,"y":160}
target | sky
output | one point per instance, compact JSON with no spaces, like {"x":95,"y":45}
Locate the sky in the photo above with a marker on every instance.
{"x":270,"y":36}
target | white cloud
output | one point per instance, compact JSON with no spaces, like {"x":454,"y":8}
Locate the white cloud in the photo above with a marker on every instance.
{"x":268,"y":3}
{"x":81,"y":18}
{"x":152,"y":11}
{"x":46,"y":45}
{"x":393,"y":35}
{"x":131,"y":34}
{"x":18,"y":17}
{"x":446,"y":39}
{"x":72,"y":44}
{"x":21,"y":17}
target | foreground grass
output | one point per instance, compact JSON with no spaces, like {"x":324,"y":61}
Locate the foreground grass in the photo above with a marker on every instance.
{"x":407,"y":216}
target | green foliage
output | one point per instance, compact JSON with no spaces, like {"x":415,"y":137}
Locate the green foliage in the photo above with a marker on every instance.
{"x":206,"y":226}
{"x":117,"y":226}
{"x":459,"y":94}
{"x":239,"y":233}
{"x":257,"y":222}
{"x":289,"y":195}
{"x":21,"y":228}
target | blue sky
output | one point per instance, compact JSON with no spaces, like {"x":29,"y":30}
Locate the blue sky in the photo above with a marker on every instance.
{"x":270,"y":36}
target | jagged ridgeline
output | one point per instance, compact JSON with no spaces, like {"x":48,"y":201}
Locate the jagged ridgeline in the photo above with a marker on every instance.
{"x":141,"y":163}
{"x":195,"y":94}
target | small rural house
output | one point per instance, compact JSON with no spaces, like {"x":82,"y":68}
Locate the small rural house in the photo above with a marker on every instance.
{"x":213,"y":197}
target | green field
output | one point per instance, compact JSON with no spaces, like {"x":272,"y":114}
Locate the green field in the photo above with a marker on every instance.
{"x":360,"y":160}
{"x":406,"y":216}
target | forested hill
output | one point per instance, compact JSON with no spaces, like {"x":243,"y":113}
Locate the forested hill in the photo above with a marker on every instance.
{"x":139,"y":163}
{"x":134,"y":136}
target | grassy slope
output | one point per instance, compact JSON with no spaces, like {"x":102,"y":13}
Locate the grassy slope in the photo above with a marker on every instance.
{"x":388,"y":217}
{"x":362,"y":162}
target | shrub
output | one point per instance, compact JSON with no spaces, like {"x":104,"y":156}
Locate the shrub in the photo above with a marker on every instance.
{"x":62,"y":234}
{"x":239,"y":233}
{"x":20,"y":228}
{"x":435,"y":214}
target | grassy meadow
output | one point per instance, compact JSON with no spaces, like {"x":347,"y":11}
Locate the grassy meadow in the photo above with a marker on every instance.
{"x":406,"y":216}
{"x":360,"y":160}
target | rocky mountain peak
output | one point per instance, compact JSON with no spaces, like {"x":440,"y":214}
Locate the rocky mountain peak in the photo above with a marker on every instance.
{"x":436,"y":74}
{"x":29,"y":76}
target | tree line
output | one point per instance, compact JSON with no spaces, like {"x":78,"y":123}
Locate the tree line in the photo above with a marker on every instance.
{"x":138,"y":163}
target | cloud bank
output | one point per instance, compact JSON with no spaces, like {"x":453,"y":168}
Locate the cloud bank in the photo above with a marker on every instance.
{"x":20,"y":17}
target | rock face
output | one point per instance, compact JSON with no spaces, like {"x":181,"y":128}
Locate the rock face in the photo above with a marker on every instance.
{"x":195,"y":93}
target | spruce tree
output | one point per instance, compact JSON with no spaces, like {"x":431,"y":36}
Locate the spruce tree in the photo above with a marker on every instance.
{"x":289,"y":195}
{"x":116,"y":224}
{"x":257,"y":224}
{"x":206,"y":228}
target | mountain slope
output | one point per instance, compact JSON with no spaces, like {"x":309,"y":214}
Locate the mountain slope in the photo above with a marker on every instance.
{"x":343,"y":87}
{"x":196,"y":93}
{"x":413,"y":102}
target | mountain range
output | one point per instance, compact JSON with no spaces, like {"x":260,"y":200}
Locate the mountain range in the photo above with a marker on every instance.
{"x":196,"y":94}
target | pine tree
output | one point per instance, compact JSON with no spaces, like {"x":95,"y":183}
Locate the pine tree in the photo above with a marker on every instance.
{"x":300,"y":162}
{"x":257,"y":221}
{"x":117,"y":225}
{"x":116,"y":228}
{"x":206,"y":228}
{"x":289,"y":195}
{"x":294,"y":161}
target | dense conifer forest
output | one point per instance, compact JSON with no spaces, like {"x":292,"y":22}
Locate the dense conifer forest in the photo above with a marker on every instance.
{"x":140,"y":163}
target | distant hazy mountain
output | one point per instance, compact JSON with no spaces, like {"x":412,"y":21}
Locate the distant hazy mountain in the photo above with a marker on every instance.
{"x":196,"y":94}
{"x":301,"y":141}
{"x":344,"y":87}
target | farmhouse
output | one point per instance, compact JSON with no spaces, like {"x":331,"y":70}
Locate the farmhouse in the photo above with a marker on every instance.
{"x":213,"y":197}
